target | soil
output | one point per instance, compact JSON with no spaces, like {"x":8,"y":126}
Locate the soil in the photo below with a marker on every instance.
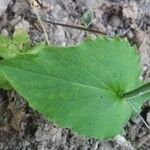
{"x":21,"y":127}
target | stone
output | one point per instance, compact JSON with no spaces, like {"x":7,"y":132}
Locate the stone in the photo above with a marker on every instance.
{"x":3,"y":6}
{"x":148,"y":118}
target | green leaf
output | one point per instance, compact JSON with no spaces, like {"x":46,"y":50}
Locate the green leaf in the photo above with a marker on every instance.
{"x":20,"y":43}
{"x":87,"y":18}
{"x":21,"y":40}
{"x":79,"y":87}
{"x":7,"y":49}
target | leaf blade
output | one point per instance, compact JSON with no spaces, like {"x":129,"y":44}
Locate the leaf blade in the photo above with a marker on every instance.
{"x":79,"y":87}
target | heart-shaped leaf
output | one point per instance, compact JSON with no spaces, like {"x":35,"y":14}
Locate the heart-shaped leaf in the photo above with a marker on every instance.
{"x":79,"y":87}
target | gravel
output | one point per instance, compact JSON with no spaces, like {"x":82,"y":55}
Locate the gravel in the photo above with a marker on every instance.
{"x":21,"y":127}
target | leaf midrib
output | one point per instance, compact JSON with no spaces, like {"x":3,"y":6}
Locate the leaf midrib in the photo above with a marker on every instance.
{"x":46,"y":74}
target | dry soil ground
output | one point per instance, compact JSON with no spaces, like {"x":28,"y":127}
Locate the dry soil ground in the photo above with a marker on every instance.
{"x":21,"y":128}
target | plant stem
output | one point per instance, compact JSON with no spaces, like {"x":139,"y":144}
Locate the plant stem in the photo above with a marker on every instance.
{"x":68,"y":25}
{"x":148,"y":127}
{"x":139,"y":91}
{"x":40,"y":21}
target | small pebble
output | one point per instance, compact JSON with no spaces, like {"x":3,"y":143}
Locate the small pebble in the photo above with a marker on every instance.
{"x":115,"y":21}
{"x":145,"y":68}
{"x":3,"y":5}
{"x":15,"y":21}
{"x":148,"y":118}
{"x":4,"y":32}
{"x":141,"y":78}
{"x":64,"y":44}
{"x":130,"y":35}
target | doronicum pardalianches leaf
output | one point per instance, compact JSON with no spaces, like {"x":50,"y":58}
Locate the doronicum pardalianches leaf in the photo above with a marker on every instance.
{"x":79,"y":87}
